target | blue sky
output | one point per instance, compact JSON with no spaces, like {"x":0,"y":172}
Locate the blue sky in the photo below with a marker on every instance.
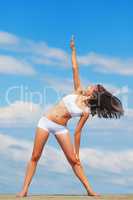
{"x":35,"y":69}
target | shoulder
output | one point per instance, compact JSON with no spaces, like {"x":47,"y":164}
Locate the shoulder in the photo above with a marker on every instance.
{"x":80,"y":90}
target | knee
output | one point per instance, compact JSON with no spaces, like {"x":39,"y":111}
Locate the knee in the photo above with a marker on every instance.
{"x":74,"y":161}
{"x":35,"y":157}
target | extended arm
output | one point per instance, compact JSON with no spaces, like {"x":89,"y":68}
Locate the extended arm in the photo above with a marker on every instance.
{"x":78,"y":130}
{"x":76,"y":79}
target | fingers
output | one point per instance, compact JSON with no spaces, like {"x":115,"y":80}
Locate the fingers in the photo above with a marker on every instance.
{"x":77,"y":158}
{"x":72,"y":44}
{"x":78,"y":162}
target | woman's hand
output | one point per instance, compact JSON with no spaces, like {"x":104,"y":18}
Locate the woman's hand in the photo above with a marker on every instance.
{"x":77,"y":156}
{"x":72,"y":44}
{"x":78,"y":159}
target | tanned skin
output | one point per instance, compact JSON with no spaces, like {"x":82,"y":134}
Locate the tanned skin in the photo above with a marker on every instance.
{"x":60,"y":115}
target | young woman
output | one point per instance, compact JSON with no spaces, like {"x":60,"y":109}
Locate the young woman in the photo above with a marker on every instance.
{"x":94,"y":100}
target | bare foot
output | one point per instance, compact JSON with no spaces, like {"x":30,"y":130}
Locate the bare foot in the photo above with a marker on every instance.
{"x":94,"y":194}
{"x":22,"y":194}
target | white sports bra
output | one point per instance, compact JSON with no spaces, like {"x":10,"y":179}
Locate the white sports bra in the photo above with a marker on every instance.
{"x":74,"y":110}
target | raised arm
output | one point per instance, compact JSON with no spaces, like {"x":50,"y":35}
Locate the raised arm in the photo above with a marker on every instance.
{"x":76,"y":79}
{"x":77,"y":134}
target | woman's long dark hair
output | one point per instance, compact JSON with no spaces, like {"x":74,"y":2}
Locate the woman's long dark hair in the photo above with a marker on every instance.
{"x":105,"y":105}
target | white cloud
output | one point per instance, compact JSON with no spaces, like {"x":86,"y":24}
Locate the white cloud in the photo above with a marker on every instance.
{"x":12,"y":65}
{"x":106,"y":64}
{"x":124,"y":124}
{"x":42,"y":53}
{"x":117,"y":90}
{"x":34,"y":53}
{"x":122,"y":181}
{"x":67,"y":85}
{"x":129,"y":112}
{"x":106,"y":161}
{"x":37,"y":52}
{"x":64,"y":85}
{"x":8,"y":38}
{"x":12,"y":148}
{"x":94,"y":124}
{"x":19,"y":114}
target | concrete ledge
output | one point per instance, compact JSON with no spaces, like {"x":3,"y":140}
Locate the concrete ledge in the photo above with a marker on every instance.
{"x":66,"y":197}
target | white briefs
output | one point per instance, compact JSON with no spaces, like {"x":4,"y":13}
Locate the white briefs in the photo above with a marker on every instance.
{"x":74,"y":111}
{"x":51,"y":126}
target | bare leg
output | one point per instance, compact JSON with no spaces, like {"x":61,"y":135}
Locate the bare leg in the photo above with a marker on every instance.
{"x":79,"y":172}
{"x":65,"y":142}
{"x":40,"y":139}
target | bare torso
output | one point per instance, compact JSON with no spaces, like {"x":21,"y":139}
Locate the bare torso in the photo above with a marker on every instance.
{"x":59,"y":113}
